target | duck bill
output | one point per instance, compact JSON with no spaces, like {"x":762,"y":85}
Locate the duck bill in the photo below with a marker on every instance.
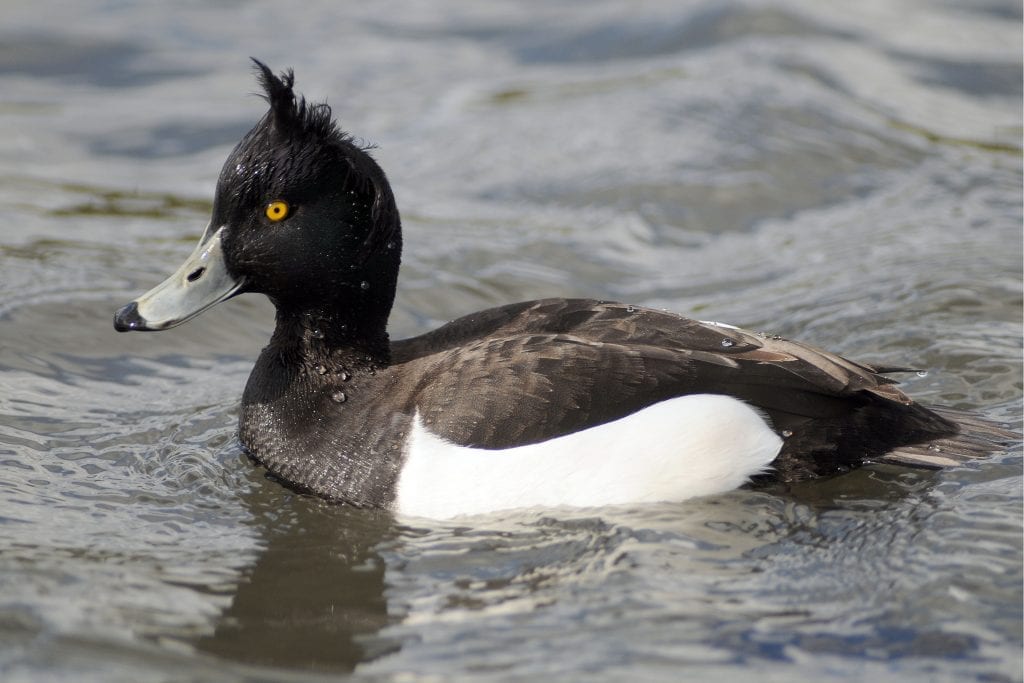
{"x":201,"y":282}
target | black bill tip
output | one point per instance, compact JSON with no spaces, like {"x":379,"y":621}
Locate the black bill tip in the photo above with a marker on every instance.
{"x":128,"y":319}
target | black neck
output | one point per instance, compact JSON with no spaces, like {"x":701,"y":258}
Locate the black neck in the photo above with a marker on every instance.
{"x":317,"y":336}
{"x":343,"y":322}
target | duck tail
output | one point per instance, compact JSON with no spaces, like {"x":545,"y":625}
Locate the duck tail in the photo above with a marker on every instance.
{"x":976,"y":437}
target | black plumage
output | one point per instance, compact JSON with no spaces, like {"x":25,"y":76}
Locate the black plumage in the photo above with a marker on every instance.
{"x":331,"y":398}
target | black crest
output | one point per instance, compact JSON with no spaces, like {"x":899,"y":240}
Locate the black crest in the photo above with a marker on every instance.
{"x":291,"y":115}
{"x":308,"y":130}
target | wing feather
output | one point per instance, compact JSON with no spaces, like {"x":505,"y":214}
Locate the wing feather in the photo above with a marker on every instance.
{"x":529,"y":372}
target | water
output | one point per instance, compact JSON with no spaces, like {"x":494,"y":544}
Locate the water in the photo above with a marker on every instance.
{"x":847,"y":175}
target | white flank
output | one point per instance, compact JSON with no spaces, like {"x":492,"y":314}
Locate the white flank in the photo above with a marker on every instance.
{"x":680,"y":448}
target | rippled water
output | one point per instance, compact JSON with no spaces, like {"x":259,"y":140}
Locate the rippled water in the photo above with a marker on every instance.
{"x":845,"y":174}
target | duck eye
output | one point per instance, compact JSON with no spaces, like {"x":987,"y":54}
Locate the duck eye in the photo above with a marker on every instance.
{"x":277,"y":210}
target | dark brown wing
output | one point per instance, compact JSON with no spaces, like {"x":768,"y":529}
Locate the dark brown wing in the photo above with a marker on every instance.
{"x":533,"y":371}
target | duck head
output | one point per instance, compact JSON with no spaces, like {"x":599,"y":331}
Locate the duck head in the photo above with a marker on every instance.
{"x":301,"y":214}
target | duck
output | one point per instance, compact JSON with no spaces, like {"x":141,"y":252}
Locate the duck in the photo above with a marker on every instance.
{"x":547,"y":403}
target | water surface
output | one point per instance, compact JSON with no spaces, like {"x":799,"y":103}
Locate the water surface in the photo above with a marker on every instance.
{"x":849,"y":176}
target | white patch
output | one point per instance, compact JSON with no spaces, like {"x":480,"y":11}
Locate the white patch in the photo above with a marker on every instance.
{"x":680,"y":448}
{"x":712,"y":323}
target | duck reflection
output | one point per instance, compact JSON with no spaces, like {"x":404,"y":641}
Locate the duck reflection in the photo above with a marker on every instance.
{"x":314,"y":599}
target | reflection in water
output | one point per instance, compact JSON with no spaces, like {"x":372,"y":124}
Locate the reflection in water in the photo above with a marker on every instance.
{"x":831,"y":176}
{"x":314,"y":599}
{"x":750,"y":577}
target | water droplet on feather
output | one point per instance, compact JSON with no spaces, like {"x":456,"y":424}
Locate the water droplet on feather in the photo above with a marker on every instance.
{"x":339,"y":397}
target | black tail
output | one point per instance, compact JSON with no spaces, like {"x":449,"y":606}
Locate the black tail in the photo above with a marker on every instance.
{"x":976,"y":437}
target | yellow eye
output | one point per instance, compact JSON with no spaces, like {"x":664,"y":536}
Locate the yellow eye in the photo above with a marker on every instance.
{"x":277,"y":210}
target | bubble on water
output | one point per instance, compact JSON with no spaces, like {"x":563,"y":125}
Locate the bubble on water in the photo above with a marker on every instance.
{"x":339,"y":397}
